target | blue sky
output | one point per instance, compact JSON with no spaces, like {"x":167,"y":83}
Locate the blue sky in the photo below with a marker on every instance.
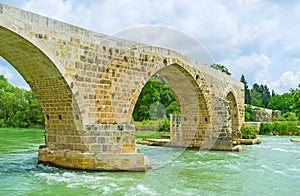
{"x":257,"y":38}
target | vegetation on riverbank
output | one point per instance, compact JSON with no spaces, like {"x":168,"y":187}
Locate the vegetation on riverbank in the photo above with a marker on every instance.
{"x":288,"y":103}
{"x":279,"y":128}
{"x":150,"y":134}
{"x":287,"y":107}
{"x":287,"y":128}
{"x":154,"y":106}
{"x":249,"y":132}
{"x":18,"y":107}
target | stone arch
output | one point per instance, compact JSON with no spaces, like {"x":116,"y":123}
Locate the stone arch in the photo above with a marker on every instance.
{"x":45,"y":77}
{"x":125,"y":80}
{"x":233,"y":110}
{"x":194,"y":112}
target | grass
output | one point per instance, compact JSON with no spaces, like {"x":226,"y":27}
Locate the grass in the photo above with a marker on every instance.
{"x":150,"y":134}
{"x":149,"y":125}
{"x":149,"y":129}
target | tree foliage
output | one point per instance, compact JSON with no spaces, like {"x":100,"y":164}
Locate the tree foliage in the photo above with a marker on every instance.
{"x":249,"y":116}
{"x":155,"y":101}
{"x":279,"y":128}
{"x":296,"y":100}
{"x":281,"y":102}
{"x":221,"y":68}
{"x":18,"y":107}
{"x":246,"y":89}
{"x":248,"y":132}
{"x":260,"y":95}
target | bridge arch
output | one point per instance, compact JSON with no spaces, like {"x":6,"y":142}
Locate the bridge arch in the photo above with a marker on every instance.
{"x":45,"y":75}
{"x":126,"y":87}
{"x":233,"y":111}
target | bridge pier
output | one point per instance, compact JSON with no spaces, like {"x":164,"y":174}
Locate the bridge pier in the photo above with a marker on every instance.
{"x":103,"y":147}
{"x":93,"y":161}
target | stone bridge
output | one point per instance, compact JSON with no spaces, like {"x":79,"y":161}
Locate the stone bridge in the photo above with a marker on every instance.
{"x":88,"y":83}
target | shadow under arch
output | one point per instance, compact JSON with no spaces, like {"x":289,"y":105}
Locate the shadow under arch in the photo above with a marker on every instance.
{"x":233,"y":110}
{"x":46,"y":80}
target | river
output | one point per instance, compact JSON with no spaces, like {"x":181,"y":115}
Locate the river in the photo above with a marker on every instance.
{"x":271,"y":168}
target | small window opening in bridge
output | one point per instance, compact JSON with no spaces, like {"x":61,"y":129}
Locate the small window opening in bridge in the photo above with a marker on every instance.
{"x":47,"y":117}
{"x":154,"y":106}
{"x":165,"y":61}
{"x":206,"y":119}
{"x":197,"y":77}
{"x":59,"y":117}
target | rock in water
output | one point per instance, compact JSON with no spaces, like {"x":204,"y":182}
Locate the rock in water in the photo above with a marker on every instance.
{"x":295,"y":140}
{"x":238,"y":148}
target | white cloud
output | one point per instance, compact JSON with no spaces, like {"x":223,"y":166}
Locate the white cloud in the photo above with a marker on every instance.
{"x":286,"y":81}
{"x":168,"y":38}
{"x":6,"y":72}
{"x":254,"y":67}
{"x":12,"y":75}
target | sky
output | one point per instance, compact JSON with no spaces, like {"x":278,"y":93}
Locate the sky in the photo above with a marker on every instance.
{"x":257,"y":38}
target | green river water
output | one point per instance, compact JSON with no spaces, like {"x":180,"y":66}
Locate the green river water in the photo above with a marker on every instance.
{"x":272,"y":168}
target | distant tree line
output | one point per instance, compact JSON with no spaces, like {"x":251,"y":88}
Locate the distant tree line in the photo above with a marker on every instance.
{"x":288,"y":103}
{"x":18,"y":107}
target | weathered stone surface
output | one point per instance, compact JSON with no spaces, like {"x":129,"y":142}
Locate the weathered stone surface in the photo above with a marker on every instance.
{"x":88,"y":84}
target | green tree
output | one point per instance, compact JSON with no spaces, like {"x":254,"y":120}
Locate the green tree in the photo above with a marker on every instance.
{"x":296,"y":100}
{"x":221,"y":68}
{"x":281,"y":102}
{"x":18,"y":107}
{"x":260,"y":95}
{"x":155,"y":101}
{"x":150,"y":96}
{"x":266,"y":95}
{"x":249,"y":114}
{"x":246,"y":90}
{"x":256,"y":98}
{"x":273,"y":93}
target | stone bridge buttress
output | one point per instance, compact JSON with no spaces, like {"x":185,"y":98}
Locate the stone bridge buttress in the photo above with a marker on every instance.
{"x":88,"y":84}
